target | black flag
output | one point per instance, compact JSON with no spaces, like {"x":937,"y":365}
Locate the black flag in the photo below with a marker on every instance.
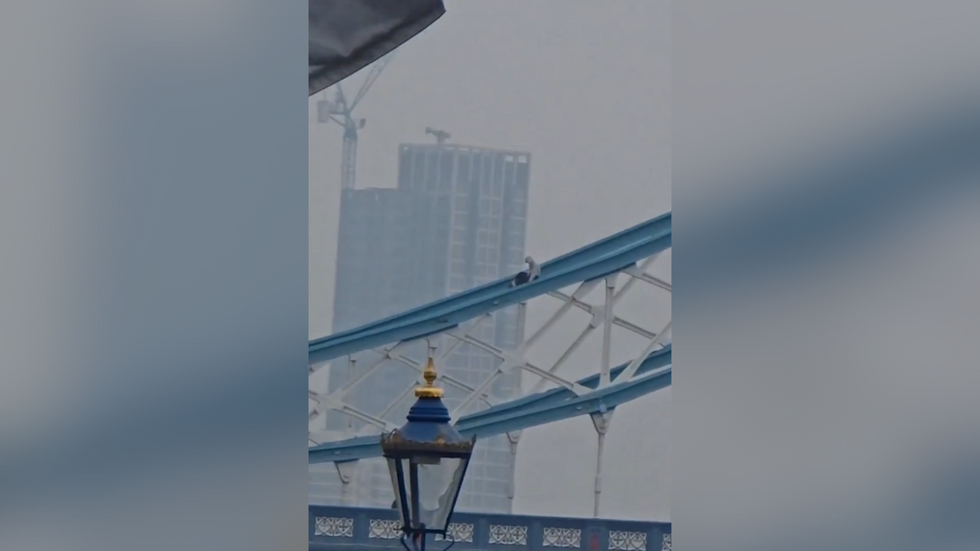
{"x":348,"y":35}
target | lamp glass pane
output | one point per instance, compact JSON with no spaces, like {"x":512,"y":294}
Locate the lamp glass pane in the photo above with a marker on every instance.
{"x":401,"y":490}
{"x":439,"y":482}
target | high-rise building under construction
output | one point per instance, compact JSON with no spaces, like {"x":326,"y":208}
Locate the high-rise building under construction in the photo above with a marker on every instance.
{"x":457,"y":220}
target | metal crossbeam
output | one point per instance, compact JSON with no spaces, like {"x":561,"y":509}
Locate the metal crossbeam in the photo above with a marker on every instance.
{"x":630,"y":370}
{"x":479,"y":391}
{"x":511,"y":360}
{"x":607,"y":318}
{"x":641,"y":275}
{"x":348,"y":410}
{"x":575,"y":298}
{"x":599,"y":315}
{"x":564,"y":357}
{"x":590,"y":309}
{"x":547,"y":407}
{"x":443,"y":377}
{"x":335,"y":400}
{"x":460,"y":319}
{"x":605,"y":390}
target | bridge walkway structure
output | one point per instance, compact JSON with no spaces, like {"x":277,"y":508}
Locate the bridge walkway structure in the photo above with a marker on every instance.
{"x":336,"y":528}
{"x":611,"y":267}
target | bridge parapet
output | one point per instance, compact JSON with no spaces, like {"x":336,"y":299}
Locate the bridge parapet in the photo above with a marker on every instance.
{"x":346,"y":528}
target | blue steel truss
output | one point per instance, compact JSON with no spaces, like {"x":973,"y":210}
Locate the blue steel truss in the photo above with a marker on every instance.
{"x":531,"y":411}
{"x":597,"y":260}
{"x":607,"y":256}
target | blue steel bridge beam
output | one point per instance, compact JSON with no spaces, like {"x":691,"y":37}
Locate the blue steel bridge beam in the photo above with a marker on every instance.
{"x":593,"y":261}
{"x":601,"y":262}
{"x":511,"y":359}
{"x":335,"y":400}
{"x":464,"y":310}
{"x":596,"y":249}
{"x":653,"y":374}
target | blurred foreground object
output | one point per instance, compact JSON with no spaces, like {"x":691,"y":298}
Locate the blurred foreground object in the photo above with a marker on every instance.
{"x":348,"y":35}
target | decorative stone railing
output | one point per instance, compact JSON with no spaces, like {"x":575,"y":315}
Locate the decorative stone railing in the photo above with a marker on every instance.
{"x":346,"y":527}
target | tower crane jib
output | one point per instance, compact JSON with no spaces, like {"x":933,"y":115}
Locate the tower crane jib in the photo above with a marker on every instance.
{"x":342,"y":112}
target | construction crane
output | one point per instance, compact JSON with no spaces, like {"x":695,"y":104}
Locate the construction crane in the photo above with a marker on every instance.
{"x":342,"y":113}
{"x":440,"y":135}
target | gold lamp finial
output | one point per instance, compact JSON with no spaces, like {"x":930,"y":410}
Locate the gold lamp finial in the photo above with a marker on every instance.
{"x":429,"y":374}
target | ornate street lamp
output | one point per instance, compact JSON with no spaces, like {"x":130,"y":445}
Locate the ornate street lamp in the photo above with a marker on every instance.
{"x":427,"y":459}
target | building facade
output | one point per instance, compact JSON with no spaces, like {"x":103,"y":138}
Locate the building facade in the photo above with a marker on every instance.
{"x":457,"y":220}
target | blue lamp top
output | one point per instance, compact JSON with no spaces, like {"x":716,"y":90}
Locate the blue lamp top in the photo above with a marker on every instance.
{"x":428,"y":427}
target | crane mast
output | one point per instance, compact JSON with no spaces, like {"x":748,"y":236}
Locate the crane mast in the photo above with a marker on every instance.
{"x":342,"y":112}
{"x":348,"y":162}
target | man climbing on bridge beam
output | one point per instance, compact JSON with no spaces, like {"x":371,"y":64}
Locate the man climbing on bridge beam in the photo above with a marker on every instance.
{"x":532,"y":272}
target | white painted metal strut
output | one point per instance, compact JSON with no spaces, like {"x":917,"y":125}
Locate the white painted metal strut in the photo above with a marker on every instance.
{"x":479,"y":391}
{"x":630,"y":370}
{"x":405,"y":393}
{"x":515,"y":358}
{"x":583,"y":290}
{"x":564,"y":357}
{"x":335,"y":400}
{"x":351,"y":383}
{"x":637,"y":273}
{"x":600,"y":421}
{"x":513,"y":438}
{"x":590,"y":309}
{"x":443,"y":377}
{"x":597,"y":315}
{"x":393,"y":353}
{"x":607,"y":318}
{"x":640,"y":274}
{"x":348,"y":410}
{"x":351,"y":369}
{"x":511,"y":360}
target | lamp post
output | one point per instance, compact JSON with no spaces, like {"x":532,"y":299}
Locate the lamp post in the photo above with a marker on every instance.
{"x":427,"y":459}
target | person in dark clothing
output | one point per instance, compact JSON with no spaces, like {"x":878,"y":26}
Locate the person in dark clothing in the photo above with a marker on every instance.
{"x":532,"y":272}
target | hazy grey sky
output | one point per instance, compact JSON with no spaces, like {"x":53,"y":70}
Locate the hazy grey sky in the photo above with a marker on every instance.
{"x":585,"y":88}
